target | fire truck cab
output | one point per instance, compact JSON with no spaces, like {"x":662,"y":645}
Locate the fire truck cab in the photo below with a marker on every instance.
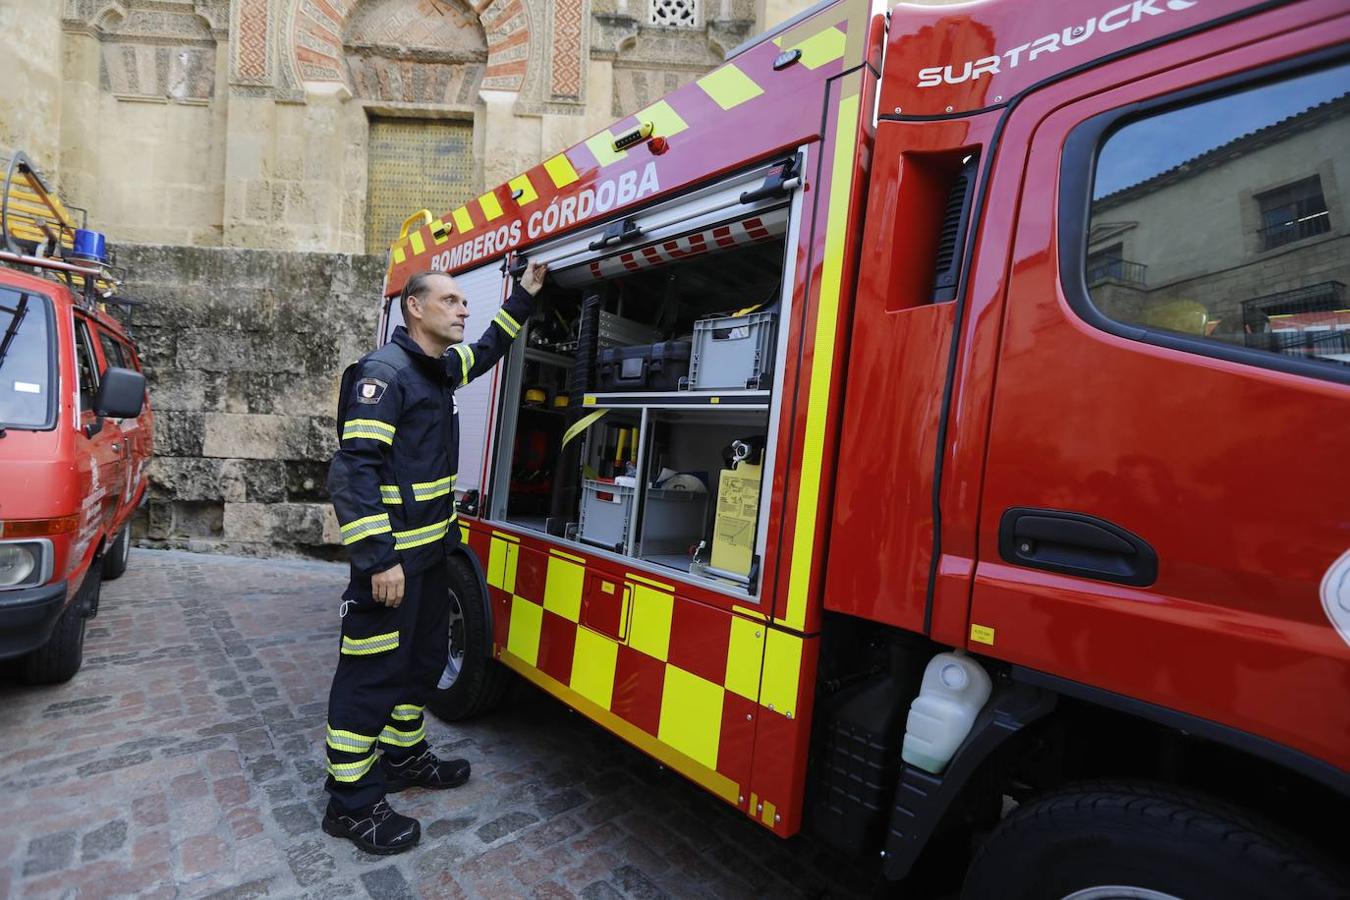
{"x":76,"y":430}
{"x":932,"y":436}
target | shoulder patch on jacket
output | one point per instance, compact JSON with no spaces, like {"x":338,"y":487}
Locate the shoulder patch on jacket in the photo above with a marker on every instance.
{"x":370,"y":390}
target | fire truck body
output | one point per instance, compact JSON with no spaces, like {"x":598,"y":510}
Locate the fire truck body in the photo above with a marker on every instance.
{"x":982,"y":426}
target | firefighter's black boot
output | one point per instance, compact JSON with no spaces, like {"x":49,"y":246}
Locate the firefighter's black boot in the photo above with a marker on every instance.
{"x":423,"y":769}
{"x":376,"y":829}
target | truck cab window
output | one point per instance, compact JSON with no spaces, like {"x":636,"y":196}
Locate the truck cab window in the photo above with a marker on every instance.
{"x":85,"y":365}
{"x":112,"y":352}
{"x":1226,"y":220}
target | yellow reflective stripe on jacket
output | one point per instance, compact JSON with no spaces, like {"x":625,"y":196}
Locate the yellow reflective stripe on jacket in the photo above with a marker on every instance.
{"x":351,"y":771}
{"x":368,"y":428}
{"x":465,"y":353}
{"x":430,"y":490}
{"x":392,"y":735}
{"x":350,"y":741}
{"x":406,"y":712}
{"x":508,"y":324}
{"x":416,"y":537}
{"x":364,"y":528}
{"x":380,"y":643}
{"x":390,"y":495}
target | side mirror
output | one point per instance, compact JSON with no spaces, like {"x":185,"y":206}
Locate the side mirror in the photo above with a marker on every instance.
{"x":121,"y":395}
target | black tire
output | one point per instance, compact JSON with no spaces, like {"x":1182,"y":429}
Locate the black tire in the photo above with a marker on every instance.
{"x":116,"y":556}
{"x":60,"y":658}
{"x":481,"y":681}
{"x":1124,"y":835}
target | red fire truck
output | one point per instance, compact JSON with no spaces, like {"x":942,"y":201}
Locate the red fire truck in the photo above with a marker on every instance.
{"x":901,"y":448}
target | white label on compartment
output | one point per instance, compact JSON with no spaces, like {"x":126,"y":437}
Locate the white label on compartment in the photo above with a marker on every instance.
{"x":27,"y":387}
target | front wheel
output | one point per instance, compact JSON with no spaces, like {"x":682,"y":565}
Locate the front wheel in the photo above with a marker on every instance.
{"x":1120,"y":840}
{"x":60,"y":658}
{"x":116,"y":556}
{"x":473,"y":682}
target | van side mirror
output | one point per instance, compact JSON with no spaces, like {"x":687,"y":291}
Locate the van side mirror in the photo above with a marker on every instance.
{"x":121,"y":395}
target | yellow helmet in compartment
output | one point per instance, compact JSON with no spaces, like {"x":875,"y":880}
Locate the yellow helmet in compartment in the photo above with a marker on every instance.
{"x":535,"y":397}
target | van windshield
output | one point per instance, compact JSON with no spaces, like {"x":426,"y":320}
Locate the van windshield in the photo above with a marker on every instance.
{"x":27,"y":379}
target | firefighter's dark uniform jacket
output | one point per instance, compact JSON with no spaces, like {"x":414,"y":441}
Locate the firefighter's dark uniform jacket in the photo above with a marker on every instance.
{"x":392,"y":480}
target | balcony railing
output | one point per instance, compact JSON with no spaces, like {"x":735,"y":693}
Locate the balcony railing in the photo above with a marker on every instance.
{"x":1278,"y":235}
{"x":1120,"y":271}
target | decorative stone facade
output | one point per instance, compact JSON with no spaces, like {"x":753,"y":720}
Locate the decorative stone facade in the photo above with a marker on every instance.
{"x":245,"y":123}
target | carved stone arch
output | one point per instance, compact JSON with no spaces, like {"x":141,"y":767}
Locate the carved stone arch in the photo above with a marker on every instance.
{"x":319,"y":51}
{"x":109,"y":17}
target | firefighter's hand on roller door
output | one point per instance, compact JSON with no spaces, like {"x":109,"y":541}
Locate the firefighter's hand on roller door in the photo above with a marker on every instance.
{"x":533,"y":279}
{"x":387,"y":586}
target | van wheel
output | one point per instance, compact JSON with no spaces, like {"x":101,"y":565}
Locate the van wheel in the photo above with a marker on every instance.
{"x":1122,"y":840}
{"x":473,"y":682}
{"x":60,"y":658}
{"x":115,"y":557}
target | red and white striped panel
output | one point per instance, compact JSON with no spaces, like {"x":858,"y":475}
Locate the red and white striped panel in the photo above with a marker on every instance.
{"x":766,"y":226}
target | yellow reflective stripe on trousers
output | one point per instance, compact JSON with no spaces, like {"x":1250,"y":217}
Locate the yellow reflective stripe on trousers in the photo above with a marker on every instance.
{"x":366,"y":646}
{"x":392,"y":735}
{"x":350,"y":741}
{"x":465,"y":353}
{"x":430,"y":490}
{"x":390,"y":495}
{"x":365,"y":527}
{"x":508,"y":324}
{"x":406,"y":712}
{"x":351,"y":771}
{"x":368,"y":428}
{"x":416,"y":537}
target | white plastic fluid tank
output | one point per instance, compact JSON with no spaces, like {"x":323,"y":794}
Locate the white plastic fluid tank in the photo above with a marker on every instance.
{"x":954,"y":690}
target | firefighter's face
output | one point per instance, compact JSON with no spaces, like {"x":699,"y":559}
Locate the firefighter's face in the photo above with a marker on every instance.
{"x":442,"y":309}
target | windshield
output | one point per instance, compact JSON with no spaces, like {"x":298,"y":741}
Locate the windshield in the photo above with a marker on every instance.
{"x":26,"y":371}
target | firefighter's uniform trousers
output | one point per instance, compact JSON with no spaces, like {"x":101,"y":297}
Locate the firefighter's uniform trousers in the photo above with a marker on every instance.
{"x":392,"y":483}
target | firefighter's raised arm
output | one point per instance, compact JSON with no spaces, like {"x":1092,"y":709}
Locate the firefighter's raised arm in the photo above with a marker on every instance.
{"x":467,"y":361}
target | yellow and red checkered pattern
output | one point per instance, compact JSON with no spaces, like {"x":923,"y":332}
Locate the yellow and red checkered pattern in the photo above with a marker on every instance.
{"x":683,"y":680}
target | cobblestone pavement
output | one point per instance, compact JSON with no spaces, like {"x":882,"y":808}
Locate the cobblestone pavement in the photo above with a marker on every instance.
{"x":184,"y":761}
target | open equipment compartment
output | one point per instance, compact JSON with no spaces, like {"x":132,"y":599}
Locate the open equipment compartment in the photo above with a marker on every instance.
{"x":648,"y":366}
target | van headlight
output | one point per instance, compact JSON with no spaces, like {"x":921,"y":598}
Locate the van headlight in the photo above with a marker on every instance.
{"x":21,"y":563}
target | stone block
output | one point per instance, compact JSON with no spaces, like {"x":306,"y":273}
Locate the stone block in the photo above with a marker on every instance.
{"x":223,"y":351}
{"x":193,"y":478}
{"x":248,"y":436}
{"x":264,"y":480}
{"x":277,"y":524}
{"x":197,"y":519}
{"x":306,"y":481}
{"x":178,"y":433}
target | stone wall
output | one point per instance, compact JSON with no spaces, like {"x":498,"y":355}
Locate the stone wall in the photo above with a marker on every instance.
{"x":244,"y":350}
{"x":30,"y":104}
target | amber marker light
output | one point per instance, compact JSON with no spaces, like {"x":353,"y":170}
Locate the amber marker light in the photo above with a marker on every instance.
{"x":31,"y":528}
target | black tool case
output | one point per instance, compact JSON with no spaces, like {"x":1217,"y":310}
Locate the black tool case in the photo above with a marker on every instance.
{"x":647,"y":367}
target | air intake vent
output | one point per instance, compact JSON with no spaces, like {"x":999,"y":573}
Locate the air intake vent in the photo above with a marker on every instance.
{"x":951,"y":238}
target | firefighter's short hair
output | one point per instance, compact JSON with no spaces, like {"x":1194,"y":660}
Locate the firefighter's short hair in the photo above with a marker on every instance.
{"x":415,"y":287}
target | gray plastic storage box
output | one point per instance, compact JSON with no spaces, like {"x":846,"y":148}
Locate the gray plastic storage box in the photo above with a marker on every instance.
{"x":733,"y":352}
{"x":673,"y":521}
{"x":606,"y":513}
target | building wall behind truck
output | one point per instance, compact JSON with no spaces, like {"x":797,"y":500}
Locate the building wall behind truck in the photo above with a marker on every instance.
{"x":30,"y":102}
{"x":244,"y":350}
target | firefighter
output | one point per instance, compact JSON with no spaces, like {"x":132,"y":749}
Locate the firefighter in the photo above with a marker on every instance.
{"x":392,"y":482}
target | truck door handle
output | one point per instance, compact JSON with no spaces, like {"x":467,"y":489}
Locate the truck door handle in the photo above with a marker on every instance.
{"x":1075,"y":544}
